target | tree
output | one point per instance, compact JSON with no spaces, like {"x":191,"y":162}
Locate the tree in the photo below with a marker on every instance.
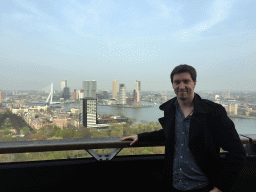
{"x":24,"y":130}
{"x":82,"y":132}
{"x":37,"y":136}
{"x":149,"y":128}
{"x":116,"y":130}
{"x":57,"y":155}
{"x":9,"y":138}
{"x":131,"y":121}
{"x":51,"y":138}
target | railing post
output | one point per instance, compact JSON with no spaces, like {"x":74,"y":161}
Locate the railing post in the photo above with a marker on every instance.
{"x":104,"y":156}
{"x":250,"y":149}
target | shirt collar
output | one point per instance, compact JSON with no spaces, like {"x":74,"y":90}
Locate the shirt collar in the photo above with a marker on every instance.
{"x":199,"y":105}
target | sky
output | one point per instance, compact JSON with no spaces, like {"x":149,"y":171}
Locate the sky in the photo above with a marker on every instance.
{"x":44,"y":42}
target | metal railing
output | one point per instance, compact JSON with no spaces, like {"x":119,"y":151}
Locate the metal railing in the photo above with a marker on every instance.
{"x":89,"y":144}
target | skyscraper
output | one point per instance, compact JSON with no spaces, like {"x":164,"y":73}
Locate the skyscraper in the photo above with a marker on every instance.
{"x":88,"y":115}
{"x":90,"y":88}
{"x":63,"y":85}
{"x":115,"y":88}
{"x":75,"y":95}
{"x":122,"y":94}
{"x":232,"y":108}
{"x":66,"y":93}
{"x":137,"y":87}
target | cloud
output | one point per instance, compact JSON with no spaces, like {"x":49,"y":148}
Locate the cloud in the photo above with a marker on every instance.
{"x":219,"y":11}
{"x":29,"y":7}
{"x":84,"y":19}
{"x":169,"y":12}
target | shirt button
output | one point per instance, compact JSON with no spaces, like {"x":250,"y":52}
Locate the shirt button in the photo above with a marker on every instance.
{"x":180,"y":180}
{"x":182,"y":132}
{"x":181,"y":144}
{"x":180,"y":169}
{"x":180,"y":156}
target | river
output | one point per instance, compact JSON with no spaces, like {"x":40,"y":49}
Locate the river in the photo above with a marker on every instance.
{"x":243,"y":126}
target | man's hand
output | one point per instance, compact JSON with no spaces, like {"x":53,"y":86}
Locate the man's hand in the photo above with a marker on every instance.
{"x":134,"y":138}
{"x":215,"y":189}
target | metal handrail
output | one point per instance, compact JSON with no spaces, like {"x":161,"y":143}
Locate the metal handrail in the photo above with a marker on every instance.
{"x":85,"y":143}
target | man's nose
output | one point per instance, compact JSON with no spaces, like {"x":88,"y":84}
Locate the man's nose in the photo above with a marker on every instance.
{"x":182,"y":85}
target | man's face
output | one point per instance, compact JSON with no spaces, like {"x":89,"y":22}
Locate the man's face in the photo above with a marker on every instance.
{"x":183,"y":85}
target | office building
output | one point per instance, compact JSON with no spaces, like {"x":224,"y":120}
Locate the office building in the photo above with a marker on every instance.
{"x":66,"y":94}
{"x":137,"y":87}
{"x":81,"y":93}
{"x":63,"y":85}
{"x":88,"y":112}
{"x":115,"y":89}
{"x":232,"y":108}
{"x":75,"y":95}
{"x":226,"y":94}
{"x":121,"y":96}
{"x":217,"y":97}
{"x":90,"y":88}
{"x":105,"y":94}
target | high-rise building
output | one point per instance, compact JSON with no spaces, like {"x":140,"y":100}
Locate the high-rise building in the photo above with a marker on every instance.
{"x":105,"y":94}
{"x":88,"y":109}
{"x":90,"y":88}
{"x":81,"y":94}
{"x":115,"y":88}
{"x":66,"y":94}
{"x":63,"y":85}
{"x":226,"y":94}
{"x":75,"y":95}
{"x":137,"y":87}
{"x":121,"y":98}
{"x":217,"y":97}
{"x":232,"y":108}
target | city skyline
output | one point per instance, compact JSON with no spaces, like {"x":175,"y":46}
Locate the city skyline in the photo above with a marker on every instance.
{"x":144,"y":40}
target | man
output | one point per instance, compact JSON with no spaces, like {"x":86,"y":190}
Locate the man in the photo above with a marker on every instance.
{"x":194,"y":129}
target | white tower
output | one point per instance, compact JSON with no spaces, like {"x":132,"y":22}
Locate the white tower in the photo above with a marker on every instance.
{"x":63,"y":85}
{"x":122,"y":94}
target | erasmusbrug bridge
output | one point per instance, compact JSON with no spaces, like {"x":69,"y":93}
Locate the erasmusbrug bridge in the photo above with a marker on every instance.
{"x":49,"y":99}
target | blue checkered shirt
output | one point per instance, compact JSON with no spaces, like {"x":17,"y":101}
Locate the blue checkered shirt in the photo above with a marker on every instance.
{"x":186,"y":174}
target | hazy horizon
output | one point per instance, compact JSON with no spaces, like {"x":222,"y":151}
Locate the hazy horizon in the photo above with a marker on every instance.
{"x":51,"y":41}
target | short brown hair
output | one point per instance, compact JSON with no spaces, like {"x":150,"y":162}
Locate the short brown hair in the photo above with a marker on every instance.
{"x":184,"y":68}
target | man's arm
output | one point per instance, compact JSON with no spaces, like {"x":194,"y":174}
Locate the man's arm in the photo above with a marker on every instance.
{"x":134,"y":138}
{"x":147,"y":136}
{"x":152,"y":136}
{"x":229,"y":141}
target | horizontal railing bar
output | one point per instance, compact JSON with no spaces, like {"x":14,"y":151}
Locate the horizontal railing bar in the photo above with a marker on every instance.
{"x":84,"y":143}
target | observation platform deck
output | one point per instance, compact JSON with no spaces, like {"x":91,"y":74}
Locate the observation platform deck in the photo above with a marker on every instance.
{"x":104,"y":170}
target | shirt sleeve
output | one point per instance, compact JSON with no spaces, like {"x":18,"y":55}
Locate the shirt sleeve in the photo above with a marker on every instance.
{"x":157,"y":136}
